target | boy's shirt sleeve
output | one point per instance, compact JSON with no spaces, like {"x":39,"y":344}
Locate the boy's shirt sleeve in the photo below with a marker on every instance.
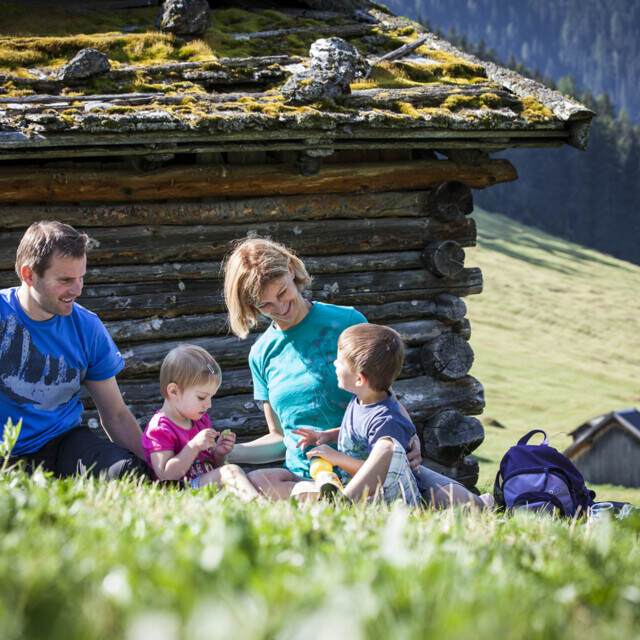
{"x":386,"y":427}
{"x":105,"y":359}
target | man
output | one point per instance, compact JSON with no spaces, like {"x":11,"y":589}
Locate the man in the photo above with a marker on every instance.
{"x":49,"y":347}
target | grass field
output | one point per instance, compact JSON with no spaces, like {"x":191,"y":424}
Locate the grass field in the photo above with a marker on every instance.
{"x":555,"y":335}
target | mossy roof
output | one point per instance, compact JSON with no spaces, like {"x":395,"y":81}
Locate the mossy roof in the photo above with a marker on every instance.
{"x":223,"y":87}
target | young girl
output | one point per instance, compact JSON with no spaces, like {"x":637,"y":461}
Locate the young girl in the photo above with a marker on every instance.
{"x":179,"y":442}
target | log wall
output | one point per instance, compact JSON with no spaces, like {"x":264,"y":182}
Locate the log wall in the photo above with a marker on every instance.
{"x":154,"y":277}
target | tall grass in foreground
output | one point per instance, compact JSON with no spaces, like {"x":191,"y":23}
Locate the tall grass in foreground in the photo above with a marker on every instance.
{"x":82,"y":559}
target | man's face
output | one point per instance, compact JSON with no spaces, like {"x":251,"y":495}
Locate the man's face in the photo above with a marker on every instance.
{"x":55,"y":291}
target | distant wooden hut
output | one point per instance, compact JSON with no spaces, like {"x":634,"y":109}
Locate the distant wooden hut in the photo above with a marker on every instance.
{"x":607,"y":448}
{"x":187,"y":143}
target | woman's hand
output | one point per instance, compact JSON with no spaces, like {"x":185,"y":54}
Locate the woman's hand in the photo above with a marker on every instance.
{"x":414,"y":455}
{"x":312,"y":437}
{"x":324,"y":451}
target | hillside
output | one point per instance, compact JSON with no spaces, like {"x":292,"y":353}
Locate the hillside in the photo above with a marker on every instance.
{"x":556,"y":333}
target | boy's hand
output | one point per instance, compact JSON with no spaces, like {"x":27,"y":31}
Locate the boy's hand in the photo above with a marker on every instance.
{"x":312,"y":437}
{"x":323,"y":451}
{"x":204,"y":439}
{"x":225,"y":443}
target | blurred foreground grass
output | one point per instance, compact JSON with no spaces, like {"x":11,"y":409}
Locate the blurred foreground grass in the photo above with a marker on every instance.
{"x":556,"y":335}
{"x":82,"y":559}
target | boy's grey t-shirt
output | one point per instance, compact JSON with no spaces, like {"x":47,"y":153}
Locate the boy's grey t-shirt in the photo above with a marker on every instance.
{"x":364,"y":424}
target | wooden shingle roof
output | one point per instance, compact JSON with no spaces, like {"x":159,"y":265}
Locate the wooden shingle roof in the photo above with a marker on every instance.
{"x":221,"y":91}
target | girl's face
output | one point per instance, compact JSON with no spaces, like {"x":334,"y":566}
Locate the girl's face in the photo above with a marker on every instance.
{"x":282,"y":302}
{"x":193,"y":402}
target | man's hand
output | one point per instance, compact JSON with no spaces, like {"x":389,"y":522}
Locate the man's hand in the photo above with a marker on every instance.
{"x":324,"y":451}
{"x":414,"y":455}
{"x":204,"y":439}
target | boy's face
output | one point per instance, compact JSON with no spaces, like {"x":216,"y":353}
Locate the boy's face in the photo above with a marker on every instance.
{"x":348,"y":379}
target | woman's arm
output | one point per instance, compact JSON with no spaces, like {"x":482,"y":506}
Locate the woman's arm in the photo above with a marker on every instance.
{"x":268,"y":448}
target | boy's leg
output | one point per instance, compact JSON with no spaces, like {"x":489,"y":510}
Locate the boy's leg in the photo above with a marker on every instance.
{"x":80,"y":451}
{"x":441,"y":492}
{"x":275,"y":484}
{"x":400,"y":483}
{"x":373,"y":473}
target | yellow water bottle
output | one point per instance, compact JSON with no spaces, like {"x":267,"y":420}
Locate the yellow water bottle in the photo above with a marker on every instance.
{"x":322,"y":472}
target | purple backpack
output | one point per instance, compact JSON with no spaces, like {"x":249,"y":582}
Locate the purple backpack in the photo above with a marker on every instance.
{"x":538,"y":477}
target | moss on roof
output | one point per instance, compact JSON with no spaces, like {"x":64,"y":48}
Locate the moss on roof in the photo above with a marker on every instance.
{"x":40,"y":42}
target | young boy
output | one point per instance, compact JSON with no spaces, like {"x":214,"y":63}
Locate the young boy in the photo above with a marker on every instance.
{"x":369,"y":359}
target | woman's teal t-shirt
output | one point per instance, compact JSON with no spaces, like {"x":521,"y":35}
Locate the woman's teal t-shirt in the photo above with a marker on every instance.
{"x":293,"y":371}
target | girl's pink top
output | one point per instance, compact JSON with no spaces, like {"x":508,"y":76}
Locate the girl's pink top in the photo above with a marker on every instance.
{"x":162,"y":434}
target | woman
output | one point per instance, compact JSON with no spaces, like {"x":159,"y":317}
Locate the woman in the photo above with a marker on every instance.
{"x":292,"y":368}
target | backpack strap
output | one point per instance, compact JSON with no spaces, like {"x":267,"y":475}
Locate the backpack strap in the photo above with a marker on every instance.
{"x":539,"y":496}
{"x":525,"y":439}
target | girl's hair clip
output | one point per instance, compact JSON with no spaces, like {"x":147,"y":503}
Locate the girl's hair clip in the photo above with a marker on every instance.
{"x":212,"y":370}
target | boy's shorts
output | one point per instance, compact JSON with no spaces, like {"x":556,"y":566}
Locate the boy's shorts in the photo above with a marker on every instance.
{"x":400,"y":483}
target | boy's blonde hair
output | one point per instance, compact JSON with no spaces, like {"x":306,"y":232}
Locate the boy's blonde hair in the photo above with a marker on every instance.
{"x":188,"y":365}
{"x":375,"y":351}
{"x":252,"y":265}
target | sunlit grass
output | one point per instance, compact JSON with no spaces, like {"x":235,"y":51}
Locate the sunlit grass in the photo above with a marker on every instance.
{"x":556,"y":334}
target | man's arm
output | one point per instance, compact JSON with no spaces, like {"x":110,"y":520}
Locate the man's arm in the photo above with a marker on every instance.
{"x":268,"y":448}
{"x":115,"y":417}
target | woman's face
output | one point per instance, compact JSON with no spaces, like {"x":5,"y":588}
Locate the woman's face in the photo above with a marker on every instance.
{"x":282,"y":302}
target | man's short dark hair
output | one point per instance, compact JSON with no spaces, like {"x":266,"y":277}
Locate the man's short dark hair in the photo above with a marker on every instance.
{"x":375,"y":351}
{"x":44,"y":239}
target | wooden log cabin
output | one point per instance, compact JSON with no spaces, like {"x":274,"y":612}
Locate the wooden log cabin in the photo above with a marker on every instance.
{"x":188,"y":142}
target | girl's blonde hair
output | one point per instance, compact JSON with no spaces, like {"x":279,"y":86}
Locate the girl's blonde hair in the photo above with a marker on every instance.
{"x":188,"y":365}
{"x":252,"y":265}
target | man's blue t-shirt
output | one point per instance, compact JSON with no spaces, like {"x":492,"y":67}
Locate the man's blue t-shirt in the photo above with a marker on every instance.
{"x":43,"y":365}
{"x":364,"y":424}
{"x":293,"y":371}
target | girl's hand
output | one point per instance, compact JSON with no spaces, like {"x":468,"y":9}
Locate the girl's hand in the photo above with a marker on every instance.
{"x":225,"y":443}
{"x":204,"y":439}
{"x":323,"y":451}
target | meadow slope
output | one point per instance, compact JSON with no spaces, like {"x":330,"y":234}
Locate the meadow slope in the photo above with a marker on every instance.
{"x":556,"y":335}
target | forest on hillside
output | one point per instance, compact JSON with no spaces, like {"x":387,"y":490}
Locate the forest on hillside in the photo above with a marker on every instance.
{"x":588,"y":49}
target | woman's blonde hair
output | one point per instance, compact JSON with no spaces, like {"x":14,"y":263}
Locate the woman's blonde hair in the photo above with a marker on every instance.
{"x":252,"y":265}
{"x":188,"y":365}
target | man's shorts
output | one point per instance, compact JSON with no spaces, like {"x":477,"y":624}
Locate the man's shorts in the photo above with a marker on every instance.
{"x":400,"y":483}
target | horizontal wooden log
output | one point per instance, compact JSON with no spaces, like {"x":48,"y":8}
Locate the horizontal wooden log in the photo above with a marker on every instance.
{"x":145,"y":358}
{"x":157,"y":244}
{"x":447,"y":357}
{"x":212,"y":271}
{"x":449,"y":201}
{"x":444,"y":258}
{"x":421,"y":396}
{"x":341,"y":31}
{"x":446,"y":308}
{"x":466,"y":471}
{"x":449,"y":436}
{"x":19,"y":185}
{"x":141,"y":300}
{"x":246,"y":210}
